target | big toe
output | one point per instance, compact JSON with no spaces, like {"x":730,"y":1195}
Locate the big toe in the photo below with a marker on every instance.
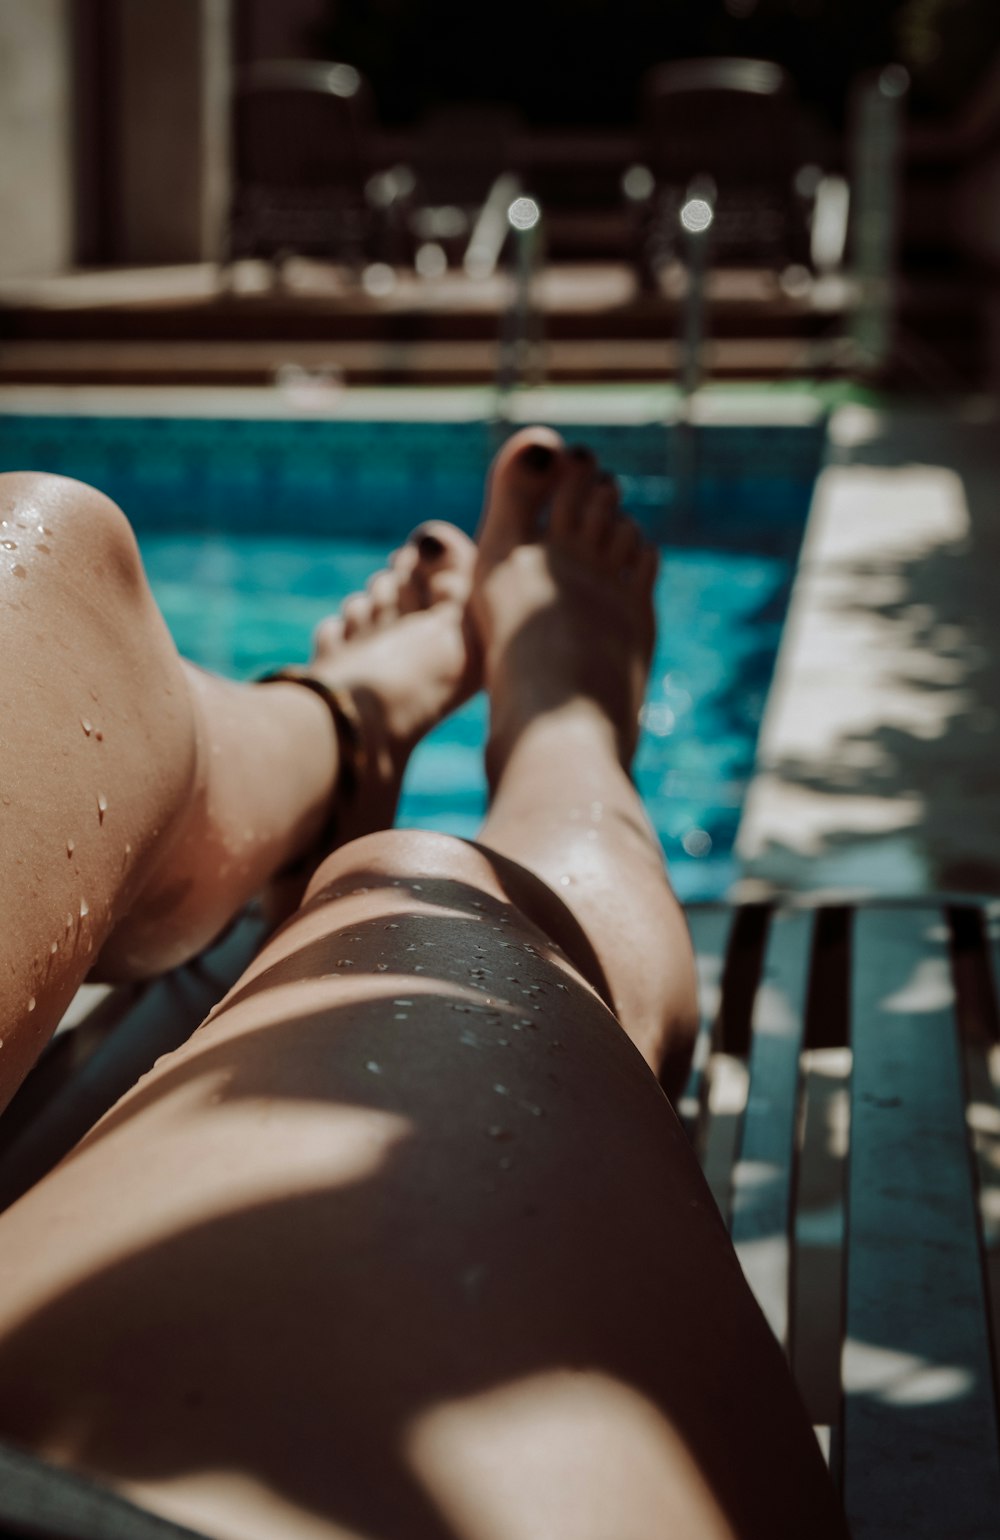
{"x":522,"y":479}
{"x":444,"y":561}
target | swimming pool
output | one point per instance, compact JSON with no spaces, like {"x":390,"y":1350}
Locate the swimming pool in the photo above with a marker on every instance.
{"x":252,"y":530}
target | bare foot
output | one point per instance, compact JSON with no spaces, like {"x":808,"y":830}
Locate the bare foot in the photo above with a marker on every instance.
{"x":405,"y":654}
{"x":562,"y":595}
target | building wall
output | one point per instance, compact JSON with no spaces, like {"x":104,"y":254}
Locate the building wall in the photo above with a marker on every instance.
{"x":36,"y":170}
{"x":172,"y":129}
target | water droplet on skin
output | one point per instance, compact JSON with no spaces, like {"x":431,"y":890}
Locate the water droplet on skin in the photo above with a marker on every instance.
{"x":31,"y":1003}
{"x":53,"y":949}
{"x":564,"y":987}
{"x":401,"y":1016}
{"x":102,"y":806}
{"x":498,"y":1132}
{"x":526,"y":1021}
{"x":536,"y":1112}
{"x":9,"y":545}
{"x":501,"y":1090}
{"x":345,"y":962}
{"x":19,"y":571}
{"x":69,"y":923}
{"x":88,"y":727}
{"x":391,"y":926}
{"x":70,"y":847}
{"x":381,"y":967}
{"x":417,"y":887}
{"x":1,"y":1042}
{"x":564,"y":882}
{"x":469,"y":1039}
{"x":373,"y":1068}
{"x":98,"y":735}
{"x":84,"y":909}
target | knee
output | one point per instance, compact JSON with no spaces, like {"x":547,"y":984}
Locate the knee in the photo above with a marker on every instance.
{"x":405,"y":857}
{"x":69,"y":534}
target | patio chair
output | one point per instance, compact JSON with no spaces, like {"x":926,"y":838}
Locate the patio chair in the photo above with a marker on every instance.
{"x":301,"y":161}
{"x":733,"y":125}
{"x":844,"y":1105}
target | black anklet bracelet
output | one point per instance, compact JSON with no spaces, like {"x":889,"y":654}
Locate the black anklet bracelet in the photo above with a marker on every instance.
{"x":352,"y":755}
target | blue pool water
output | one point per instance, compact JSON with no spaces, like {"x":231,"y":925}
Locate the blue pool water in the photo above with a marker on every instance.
{"x":240,"y":605}
{"x":252,"y":531}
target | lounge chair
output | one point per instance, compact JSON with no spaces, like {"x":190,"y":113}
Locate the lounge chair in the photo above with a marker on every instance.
{"x":301,"y":162}
{"x":844,"y":1104}
{"x":736,"y":126}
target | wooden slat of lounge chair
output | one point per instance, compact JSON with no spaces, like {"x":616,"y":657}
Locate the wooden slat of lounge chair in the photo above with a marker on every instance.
{"x":762,"y":1181}
{"x":37,"y":1499}
{"x":710,"y":926}
{"x":920,"y":1434}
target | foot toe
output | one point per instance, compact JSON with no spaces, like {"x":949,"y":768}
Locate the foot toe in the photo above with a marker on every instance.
{"x":624,"y":544}
{"x":328,"y":636}
{"x":445,"y":558}
{"x":574,"y":494}
{"x":382,"y":589}
{"x":355,"y":613}
{"x":522,"y":479}
{"x":598,"y":519}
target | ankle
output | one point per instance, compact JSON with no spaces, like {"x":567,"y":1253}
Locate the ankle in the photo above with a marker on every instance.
{"x":576,"y":729}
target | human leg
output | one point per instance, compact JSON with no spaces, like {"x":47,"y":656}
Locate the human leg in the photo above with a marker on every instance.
{"x":576,"y":590}
{"x":142,"y":801}
{"x":406,"y":1241}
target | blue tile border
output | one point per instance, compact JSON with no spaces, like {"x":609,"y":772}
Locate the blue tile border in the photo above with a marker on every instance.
{"x":343,"y":477}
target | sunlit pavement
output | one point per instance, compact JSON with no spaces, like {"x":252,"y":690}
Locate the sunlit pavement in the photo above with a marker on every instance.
{"x":878,"y":757}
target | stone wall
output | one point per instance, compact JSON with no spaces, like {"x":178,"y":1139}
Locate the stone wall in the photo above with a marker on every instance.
{"x":36,"y":170}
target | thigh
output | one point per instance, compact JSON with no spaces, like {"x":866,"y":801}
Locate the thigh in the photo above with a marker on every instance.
{"x":97,"y":746}
{"x":406,"y":1240}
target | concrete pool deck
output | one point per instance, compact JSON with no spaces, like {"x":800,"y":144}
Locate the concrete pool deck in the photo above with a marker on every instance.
{"x":877,"y":764}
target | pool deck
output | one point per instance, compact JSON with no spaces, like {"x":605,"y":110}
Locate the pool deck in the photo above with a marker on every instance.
{"x":877,"y":767}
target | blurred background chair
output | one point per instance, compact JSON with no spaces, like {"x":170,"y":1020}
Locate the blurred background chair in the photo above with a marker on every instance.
{"x":301,"y":163}
{"x":731,"y":132}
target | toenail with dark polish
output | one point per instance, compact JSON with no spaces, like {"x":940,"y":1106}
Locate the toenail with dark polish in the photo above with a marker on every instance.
{"x":430,"y":547}
{"x":538,"y":457}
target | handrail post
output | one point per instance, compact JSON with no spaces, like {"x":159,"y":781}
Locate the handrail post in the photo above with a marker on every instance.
{"x":695,"y":219}
{"x":520,"y":327}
